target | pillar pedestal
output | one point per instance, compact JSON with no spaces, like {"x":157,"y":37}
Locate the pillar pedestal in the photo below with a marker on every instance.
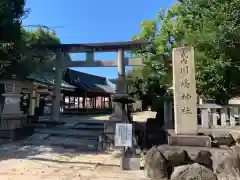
{"x":118,"y":116}
{"x":13,"y":121}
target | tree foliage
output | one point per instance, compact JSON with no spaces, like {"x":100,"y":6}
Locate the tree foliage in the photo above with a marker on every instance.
{"x":11,"y":14}
{"x":212,"y":27}
{"x":16,"y":53}
{"x":35,"y":59}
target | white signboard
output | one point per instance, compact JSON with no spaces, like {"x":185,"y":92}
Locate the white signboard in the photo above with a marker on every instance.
{"x":184,"y":86}
{"x":123,"y":135}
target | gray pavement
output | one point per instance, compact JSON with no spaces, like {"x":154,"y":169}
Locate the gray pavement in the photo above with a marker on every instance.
{"x":24,"y":160}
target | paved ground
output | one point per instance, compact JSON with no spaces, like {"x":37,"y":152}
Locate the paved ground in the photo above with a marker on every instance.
{"x":18,"y":161}
{"x":138,"y":116}
{"x":21,"y":162}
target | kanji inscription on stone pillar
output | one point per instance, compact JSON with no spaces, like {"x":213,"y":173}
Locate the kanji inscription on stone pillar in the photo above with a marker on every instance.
{"x":185,"y":96}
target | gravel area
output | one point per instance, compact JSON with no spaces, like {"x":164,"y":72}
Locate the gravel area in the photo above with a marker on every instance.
{"x":21,"y":162}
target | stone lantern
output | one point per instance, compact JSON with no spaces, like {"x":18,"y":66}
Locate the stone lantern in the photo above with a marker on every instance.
{"x":12,"y":118}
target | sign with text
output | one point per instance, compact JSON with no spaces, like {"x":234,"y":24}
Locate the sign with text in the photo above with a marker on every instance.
{"x":123,"y":135}
{"x":185,"y":96}
{"x":12,"y":100}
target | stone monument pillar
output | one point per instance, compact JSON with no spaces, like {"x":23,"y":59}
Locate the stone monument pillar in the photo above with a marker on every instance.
{"x":12,"y":118}
{"x":185,"y":96}
{"x":185,"y":100}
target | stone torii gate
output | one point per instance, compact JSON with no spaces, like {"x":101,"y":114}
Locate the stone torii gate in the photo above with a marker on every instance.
{"x":90,"y":49}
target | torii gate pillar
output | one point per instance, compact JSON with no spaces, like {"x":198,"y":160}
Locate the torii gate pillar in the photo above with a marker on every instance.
{"x":121,"y":86}
{"x":119,"y":115}
{"x":57,"y":86}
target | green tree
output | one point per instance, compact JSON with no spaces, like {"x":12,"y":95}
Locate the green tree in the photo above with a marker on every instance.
{"x":212,"y":28}
{"x":155,"y":76}
{"x":35,"y":59}
{"x":11,"y":14}
{"x":16,"y":53}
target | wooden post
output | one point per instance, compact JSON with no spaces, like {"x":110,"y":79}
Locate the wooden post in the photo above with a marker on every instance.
{"x":64,"y":102}
{"x":32,"y":102}
{"x":104,"y":102}
{"x":101,"y":102}
{"x":109,"y":101}
{"x":84,"y":100}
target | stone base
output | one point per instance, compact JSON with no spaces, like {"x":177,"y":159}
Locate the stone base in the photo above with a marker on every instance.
{"x":16,"y":134}
{"x":189,"y":140}
{"x":109,"y":126}
{"x":131,"y":163}
{"x":12,"y":122}
{"x":14,"y":126}
{"x":109,"y":132}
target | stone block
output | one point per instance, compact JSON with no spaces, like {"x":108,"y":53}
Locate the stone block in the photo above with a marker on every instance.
{"x":204,"y":158}
{"x":176,"y":157}
{"x":38,"y":137}
{"x":223,"y":138}
{"x":156,"y":164}
{"x":16,"y":134}
{"x":109,"y":130}
{"x":193,"y":171}
{"x":189,"y":140}
{"x":110,"y":126}
{"x":131,"y":163}
{"x":229,"y":166}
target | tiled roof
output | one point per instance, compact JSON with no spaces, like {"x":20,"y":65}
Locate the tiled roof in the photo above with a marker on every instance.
{"x":88,"y":82}
{"x":74,"y":79}
{"x":47,"y":79}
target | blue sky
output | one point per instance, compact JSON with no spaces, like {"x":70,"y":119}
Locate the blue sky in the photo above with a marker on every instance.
{"x":88,"y":21}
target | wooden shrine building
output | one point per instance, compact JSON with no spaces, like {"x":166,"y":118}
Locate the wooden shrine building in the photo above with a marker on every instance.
{"x":91,"y":92}
{"x":80,"y":92}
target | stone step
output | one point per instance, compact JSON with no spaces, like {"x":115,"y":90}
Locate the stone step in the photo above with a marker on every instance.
{"x":41,"y":125}
{"x":71,"y":140}
{"x":83,"y":124}
{"x":71,"y":122}
{"x":88,"y":122}
{"x":69,"y":146}
{"x":66,"y":142}
{"x":78,"y":126}
{"x":89,"y":126}
{"x":69,"y":132}
{"x":37,"y":137}
{"x":50,"y":122}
